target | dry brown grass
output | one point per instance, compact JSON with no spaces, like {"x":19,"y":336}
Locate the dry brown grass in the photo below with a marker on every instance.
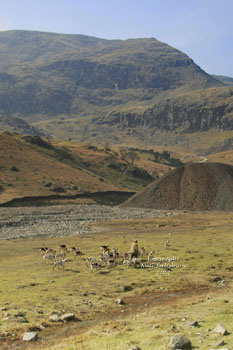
{"x":36,"y":166}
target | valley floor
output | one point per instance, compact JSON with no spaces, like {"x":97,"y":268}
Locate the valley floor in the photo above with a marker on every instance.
{"x":62,"y":220}
{"x":156,"y":301}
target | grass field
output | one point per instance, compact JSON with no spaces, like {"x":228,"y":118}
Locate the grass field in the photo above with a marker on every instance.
{"x":201,"y":245}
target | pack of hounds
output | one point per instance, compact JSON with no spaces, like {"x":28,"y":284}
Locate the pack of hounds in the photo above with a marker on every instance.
{"x":107,"y":258}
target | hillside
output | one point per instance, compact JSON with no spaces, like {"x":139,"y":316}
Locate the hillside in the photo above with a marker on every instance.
{"x":18,"y":125}
{"x":207,"y":186}
{"x":28,"y":170}
{"x":188,"y":112}
{"x":224,"y":79}
{"x":85,"y":88}
{"x":97,"y":63}
{"x":31,"y":166}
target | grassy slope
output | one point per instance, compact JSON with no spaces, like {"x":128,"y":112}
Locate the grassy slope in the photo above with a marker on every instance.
{"x":74,"y":167}
{"x":40,"y":47}
{"x":202,"y":241}
{"x":222,"y":157}
{"x":35,"y":165}
{"x":78,"y":168}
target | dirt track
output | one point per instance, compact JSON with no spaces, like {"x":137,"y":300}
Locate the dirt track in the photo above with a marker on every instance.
{"x":28,"y":222}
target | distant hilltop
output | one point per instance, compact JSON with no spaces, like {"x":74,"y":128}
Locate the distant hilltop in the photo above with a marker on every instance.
{"x":86,"y":88}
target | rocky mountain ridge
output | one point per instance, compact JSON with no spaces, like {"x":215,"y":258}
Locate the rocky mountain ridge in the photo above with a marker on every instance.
{"x":189,"y":112}
{"x":81,"y":87}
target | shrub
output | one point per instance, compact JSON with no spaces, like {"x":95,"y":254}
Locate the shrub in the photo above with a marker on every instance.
{"x":13,"y":168}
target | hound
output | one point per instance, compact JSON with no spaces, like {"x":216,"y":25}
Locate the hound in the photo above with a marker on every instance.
{"x":127,"y":262}
{"x":105,"y":249}
{"x":62,"y":247}
{"x":59,"y":264}
{"x":60,"y":255}
{"x":51,"y":251}
{"x":73,"y":249}
{"x":42,"y":250}
{"x":136,"y":261}
{"x":115,"y":253}
{"x":125,"y":255}
{"x":150,"y":256}
{"x":103,"y":259}
{"x":111,"y":262}
{"x":48,"y":257}
{"x":94,"y":266}
{"x":89,"y":261}
{"x":77,"y":253}
{"x":142,"y":251}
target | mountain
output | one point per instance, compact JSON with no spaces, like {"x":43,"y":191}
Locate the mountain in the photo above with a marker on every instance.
{"x":86,"y":88}
{"x":224,"y":79}
{"x":97,"y":63}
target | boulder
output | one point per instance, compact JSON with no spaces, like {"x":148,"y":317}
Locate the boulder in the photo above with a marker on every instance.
{"x":155,"y":326}
{"x":22,"y":319}
{"x":67,"y":317}
{"x":64,"y":317}
{"x":29,"y":336}
{"x":126,"y":288}
{"x":120,"y":301}
{"x":179,"y":342}
{"x":54,"y":318}
{"x":222,"y":343}
{"x":216,"y":279}
{"x":220,"y":329}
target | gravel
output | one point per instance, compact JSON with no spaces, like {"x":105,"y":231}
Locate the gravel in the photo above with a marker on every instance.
{"x":195,"y":186}
{"x":51,"y":221}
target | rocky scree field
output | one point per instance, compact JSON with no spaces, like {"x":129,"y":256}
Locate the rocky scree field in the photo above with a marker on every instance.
{"x":195,"y":186}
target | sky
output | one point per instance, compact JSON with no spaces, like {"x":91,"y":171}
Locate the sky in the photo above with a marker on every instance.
{"x":203,"y":29}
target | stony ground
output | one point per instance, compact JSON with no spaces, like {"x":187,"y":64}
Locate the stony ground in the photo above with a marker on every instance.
{"x":195,"y":186}
{"x":28,"y":222}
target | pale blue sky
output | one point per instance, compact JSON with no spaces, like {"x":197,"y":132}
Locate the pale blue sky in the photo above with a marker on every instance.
{"x":203,"y":29}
